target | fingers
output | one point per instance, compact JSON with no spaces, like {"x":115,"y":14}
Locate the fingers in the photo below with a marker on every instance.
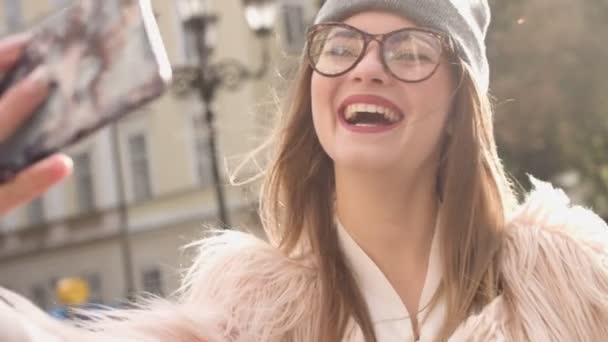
{"x":33,"y":181}
{"x":11,"y":49}
{"x":18,"y":103}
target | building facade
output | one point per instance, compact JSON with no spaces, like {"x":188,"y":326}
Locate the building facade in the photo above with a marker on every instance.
{"x":135,"y":211}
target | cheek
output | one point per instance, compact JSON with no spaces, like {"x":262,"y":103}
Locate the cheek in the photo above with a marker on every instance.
{"x":322,"y":90}
{"x":432,"y":103}
{"x":432,"y":100}
{"x":435,"y":96}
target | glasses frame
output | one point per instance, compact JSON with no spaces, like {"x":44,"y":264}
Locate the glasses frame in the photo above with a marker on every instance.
{"x":445,"y":45}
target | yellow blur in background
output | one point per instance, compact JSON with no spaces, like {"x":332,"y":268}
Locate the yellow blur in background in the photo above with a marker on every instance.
{"x":73,"y":291}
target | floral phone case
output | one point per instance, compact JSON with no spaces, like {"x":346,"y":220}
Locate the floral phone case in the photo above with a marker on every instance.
{"x":105,"y":57}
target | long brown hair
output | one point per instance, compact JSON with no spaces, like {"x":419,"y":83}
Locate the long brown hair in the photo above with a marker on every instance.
{"x":296,"y":208}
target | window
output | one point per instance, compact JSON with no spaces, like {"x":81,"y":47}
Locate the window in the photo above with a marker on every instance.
{"x":190,"y":53}
{"x":53,"y":283}
{"x":94,"y":281}
{"x":152,"y":280}
{"x":187,"y":40}
{"x":140,"y":173}
{"x":12,"y":10}
{"x":83,"y":178}
{"x":294,"y":26}
{"x":40,"y":296}
{"x":203,"y":156}
{"x":60,"y":3}
{"x":9,"y":222}
{"x":35,"y":212}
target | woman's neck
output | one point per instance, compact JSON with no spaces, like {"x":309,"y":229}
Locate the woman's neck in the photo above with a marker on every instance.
{"x":390,"y":220}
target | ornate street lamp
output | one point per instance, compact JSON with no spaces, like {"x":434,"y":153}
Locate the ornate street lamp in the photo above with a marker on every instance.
{"x":260,"y":15}
{"x":206,"y":77}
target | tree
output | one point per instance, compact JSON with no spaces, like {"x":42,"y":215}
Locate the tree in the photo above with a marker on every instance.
{"x":549,"y":81}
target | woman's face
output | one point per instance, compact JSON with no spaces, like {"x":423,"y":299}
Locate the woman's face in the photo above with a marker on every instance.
{"x":421,"y":109}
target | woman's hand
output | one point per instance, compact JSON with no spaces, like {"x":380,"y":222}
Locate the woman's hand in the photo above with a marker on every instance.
{"x":16,"y":105}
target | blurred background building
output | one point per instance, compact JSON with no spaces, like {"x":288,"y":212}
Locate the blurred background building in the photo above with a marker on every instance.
{"x":76,"y":230}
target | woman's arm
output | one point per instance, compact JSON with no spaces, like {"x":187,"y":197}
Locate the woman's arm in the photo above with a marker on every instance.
{"x":239,"y":289}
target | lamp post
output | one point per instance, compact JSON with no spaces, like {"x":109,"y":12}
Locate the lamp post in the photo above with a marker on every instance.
{"x":123,"y":216}
{"x":206,"y":76}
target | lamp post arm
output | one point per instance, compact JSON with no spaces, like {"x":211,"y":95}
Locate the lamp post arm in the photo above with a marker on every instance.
{"x":232,"y":74}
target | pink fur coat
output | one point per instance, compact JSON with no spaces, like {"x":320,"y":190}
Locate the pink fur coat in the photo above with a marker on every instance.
{"x":242,"y":289}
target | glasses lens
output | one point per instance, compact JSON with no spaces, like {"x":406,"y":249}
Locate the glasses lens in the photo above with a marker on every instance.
{"x":334,"y":49}
{"x":412,"y":55}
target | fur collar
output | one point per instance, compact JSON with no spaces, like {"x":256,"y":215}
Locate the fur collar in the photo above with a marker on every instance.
{"x":555,"y":276}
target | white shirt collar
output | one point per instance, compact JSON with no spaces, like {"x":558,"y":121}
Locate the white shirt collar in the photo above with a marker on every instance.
{"x":383,"y":301}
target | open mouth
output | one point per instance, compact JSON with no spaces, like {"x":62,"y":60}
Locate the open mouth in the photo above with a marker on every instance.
{"x":359,"y":114}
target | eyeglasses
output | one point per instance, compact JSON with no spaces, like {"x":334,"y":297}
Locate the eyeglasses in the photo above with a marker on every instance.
{"x":410,"y":54}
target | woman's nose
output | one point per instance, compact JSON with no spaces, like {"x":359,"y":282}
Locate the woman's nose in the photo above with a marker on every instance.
{"x":370,"y":68}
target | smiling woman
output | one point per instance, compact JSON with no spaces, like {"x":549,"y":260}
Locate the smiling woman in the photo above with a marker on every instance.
{"x":387,"y":208}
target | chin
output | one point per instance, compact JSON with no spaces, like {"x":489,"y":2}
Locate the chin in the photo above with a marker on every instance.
{"x":365,"y":162}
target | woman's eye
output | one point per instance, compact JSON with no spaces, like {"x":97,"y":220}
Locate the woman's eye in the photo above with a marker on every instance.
{"x":339,"y":51}
{"x":412,"y":57}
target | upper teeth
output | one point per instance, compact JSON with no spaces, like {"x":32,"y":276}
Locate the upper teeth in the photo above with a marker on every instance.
{"x":352,"y":110}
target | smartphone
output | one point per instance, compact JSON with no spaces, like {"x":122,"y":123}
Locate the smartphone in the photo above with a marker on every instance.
{"x":106,"y":58}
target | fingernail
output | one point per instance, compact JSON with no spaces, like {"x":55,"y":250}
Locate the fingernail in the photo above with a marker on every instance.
{"x":68,"y":164}
{"x":67,"y":161}
{"x":41,"y":76}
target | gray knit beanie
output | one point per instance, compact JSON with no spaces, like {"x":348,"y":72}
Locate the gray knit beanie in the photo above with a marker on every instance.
{"x":465,"y":21}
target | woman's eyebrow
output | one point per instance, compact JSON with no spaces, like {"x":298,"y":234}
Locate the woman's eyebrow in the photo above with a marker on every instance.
{"x":343,"y":33}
